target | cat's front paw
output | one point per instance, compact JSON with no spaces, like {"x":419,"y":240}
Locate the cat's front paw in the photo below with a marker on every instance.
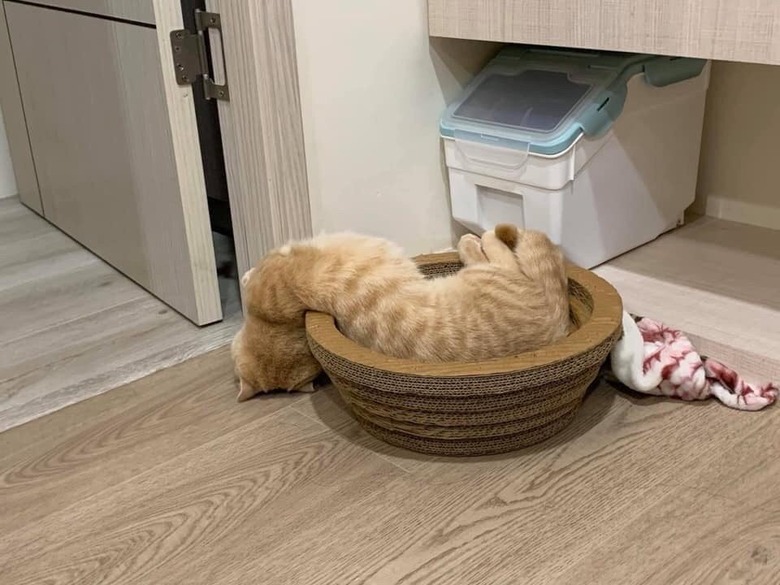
{"x":470,"y":250}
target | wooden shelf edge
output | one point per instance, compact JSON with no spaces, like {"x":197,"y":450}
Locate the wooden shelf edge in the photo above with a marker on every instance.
{"x":709,"y":29}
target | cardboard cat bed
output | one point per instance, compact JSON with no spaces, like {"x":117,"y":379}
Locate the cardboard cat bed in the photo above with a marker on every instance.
{"x":477,"y":408}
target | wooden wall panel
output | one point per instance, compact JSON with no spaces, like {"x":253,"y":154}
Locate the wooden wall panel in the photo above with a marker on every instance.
{"x":732,"y":30}
{"x":262,"y":129}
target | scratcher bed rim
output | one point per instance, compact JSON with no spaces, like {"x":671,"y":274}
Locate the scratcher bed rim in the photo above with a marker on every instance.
{"x":604,"y":323}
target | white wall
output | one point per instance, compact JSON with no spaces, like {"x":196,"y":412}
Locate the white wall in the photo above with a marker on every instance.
{"x":372,"y":89}
{"x":739,"y":172}
{"x":373,"y":86}
{"x":7,"y":182}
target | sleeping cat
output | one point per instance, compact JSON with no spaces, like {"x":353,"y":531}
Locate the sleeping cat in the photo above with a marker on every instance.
{"x":510,"y":297}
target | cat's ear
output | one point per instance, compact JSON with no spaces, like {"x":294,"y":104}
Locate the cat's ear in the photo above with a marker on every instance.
{"x":247,"y":276}
{"x":509,"y":234}
{"x":245,"y":390}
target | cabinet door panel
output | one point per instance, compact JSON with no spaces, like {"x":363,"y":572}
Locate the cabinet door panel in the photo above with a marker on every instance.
{"x":15,"y":124}
{"x":116,"y":151}
{"x":135,"y":10}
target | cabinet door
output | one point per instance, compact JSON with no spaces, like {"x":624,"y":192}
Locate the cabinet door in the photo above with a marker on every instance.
{"x":262,"y":129}
{"x":15,"y":125}
{"x":134,"y":10}
{"x":115,"y":146}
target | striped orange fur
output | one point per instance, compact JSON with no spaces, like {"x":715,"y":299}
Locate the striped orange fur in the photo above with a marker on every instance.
{"x":510,"y":297}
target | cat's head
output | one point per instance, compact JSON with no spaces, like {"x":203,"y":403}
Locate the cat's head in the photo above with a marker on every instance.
{"x":272,"y":356}
{"x":271,"y":352}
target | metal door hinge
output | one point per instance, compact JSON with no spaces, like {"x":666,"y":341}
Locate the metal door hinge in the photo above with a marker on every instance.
{"x":190,"y":55}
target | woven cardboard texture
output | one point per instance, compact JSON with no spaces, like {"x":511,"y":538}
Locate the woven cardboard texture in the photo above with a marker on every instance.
{"x":474,"y":408}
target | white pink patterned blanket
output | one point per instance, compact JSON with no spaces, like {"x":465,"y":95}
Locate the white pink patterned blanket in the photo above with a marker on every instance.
{"x":655,"y":359}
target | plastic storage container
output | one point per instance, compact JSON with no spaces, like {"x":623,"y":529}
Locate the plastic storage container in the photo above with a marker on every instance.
{"x":598,"y":150}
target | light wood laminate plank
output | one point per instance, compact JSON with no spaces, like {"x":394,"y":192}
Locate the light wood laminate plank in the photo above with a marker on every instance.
{"x":116,"y":150}
{"x":73,"y":327}
{"x":30,"y":248}
{"x":53,"y":368}
{"x":16,"y":124}
{"x":57,"y":298}
{"x":723,"y":526}
{"x":205,"y":411}
{"x":716,"y":280}
{"x":262,"y":129}
{"x":731,"y":30}
{"x":136,"y":10}
{"x":168,"y":480}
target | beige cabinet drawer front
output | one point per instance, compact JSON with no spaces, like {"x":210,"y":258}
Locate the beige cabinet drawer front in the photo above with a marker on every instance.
{"x":729,"y":30}
{"x":135,"y":10}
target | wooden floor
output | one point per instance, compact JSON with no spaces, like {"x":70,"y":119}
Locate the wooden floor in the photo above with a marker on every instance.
{"x":72,"y":327}
{"x":168,"y":481}
{"x":717,"y":280}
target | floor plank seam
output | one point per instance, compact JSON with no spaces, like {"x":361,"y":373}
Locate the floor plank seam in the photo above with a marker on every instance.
{"x":360,"y":430}
{"x":67,"y":322}
{"x":162,"y":465}
{"x":176,"y":358}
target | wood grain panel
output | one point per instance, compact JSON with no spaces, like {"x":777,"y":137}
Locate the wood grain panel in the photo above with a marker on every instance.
{"x":96,"y":352}
{"x":192,"y":198}
{"x":116,"y":150}
{"x":73,"y":327}
{"x":262,"y":130}
{"x":733,"y":30}
{"x":16,"y":124}
{"x":169,"y":481}
{"x":135,"y":10}
{"x":205,"y":411}
{"x":704,"y":504}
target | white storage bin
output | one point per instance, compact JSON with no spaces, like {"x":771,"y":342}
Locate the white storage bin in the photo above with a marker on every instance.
{"x":598,"y":150}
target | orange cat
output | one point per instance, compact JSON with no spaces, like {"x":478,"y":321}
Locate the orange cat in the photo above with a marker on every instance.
{"x":510,"y":297}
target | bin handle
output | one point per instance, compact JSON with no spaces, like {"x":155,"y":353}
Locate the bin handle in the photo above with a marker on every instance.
{"x":461,"y":145}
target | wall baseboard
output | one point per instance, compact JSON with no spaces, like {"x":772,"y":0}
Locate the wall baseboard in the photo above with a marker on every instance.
{"x":743,"y":212}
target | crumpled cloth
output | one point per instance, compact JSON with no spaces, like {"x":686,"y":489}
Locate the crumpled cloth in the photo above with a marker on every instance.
{"x":653,"y":358}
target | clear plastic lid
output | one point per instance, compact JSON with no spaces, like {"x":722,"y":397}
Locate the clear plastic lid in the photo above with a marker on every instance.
{"x":532,"y":100}
{"x":542,"y":100}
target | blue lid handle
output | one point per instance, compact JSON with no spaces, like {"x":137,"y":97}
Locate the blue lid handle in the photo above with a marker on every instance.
{"x":658,"y":72}
{"x":599,"y":117}
{"x":663,"y":71}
